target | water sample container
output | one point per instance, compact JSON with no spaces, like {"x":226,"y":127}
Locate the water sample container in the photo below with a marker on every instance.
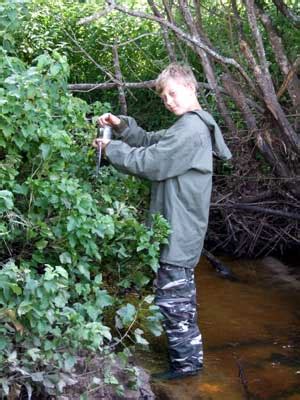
{"x":105,"y":132}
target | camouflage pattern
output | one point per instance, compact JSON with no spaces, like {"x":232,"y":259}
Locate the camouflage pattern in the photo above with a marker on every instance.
{"x":176,"y":297}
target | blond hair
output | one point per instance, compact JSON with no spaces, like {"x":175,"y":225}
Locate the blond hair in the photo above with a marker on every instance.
{"x":175,"y":71}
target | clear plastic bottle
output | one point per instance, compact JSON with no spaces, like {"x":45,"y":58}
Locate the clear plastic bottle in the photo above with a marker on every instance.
{"x":106,"y":132}
{"x":103,"y":133}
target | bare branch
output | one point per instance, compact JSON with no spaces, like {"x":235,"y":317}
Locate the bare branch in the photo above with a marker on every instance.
{"x":87,"y":87}
{"x":238,"y":18}
{"x":263,"y":77}
{"x":250,"y":207}
{"x":258,"y":40}
{"x":207,"y":64}
{"x":169,"y":45}
{"x":289,"y":77}
{"x":75,"y":41}
{"x":198,"y":19}
{"x":183,"y":35}
{"x":118,"y":74}
{"x":291,"y":82}
{"x":240,"y":99}
{"x":283,"y":8}
{"x":94,"y":17}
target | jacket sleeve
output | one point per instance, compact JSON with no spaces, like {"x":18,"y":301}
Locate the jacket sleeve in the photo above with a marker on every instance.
{"x":134,"y":135}
{"x":174,"y":154}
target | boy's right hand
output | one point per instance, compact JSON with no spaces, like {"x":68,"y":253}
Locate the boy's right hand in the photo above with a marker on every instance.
{"x":108,"y":119}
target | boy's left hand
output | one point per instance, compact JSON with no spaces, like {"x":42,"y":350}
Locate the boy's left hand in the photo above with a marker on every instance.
{"x":102,"y":142}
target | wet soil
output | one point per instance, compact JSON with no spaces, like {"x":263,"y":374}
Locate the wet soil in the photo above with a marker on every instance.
{"x":251,"y":335}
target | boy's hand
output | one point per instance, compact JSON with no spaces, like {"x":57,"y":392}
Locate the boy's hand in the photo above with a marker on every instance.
{"x":101,"y":142}
{"x":108,"y":119}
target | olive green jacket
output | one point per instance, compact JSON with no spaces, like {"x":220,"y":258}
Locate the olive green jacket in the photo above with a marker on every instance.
{"x":179,"y":162}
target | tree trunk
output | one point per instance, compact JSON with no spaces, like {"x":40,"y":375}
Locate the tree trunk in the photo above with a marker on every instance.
{"x":285,"y":65}
{"x":207,"y":65}
{"x":119,"y":77}
{"x":263,"y":76}
{"x":294,"y":19}
{"x":236,"y":93}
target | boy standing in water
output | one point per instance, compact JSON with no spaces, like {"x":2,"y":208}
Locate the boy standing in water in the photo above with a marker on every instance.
{"x":178,"y":162}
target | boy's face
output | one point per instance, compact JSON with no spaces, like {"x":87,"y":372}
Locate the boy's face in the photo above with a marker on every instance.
{"x":178,"y":96}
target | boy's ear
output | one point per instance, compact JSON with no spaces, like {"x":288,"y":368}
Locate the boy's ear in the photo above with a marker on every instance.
{"x":190,"y":85}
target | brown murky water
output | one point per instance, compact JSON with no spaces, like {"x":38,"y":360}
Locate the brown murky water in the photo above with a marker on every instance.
{"x":251,"y":334}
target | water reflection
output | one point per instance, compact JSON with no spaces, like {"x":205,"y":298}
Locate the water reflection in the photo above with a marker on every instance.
{"x":251,"y":336}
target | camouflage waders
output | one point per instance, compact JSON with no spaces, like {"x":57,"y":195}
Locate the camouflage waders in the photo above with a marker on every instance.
{"x":176,"y":298}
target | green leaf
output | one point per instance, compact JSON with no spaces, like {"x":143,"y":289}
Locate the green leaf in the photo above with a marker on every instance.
{"x":65,"y":258}
{"x":104,"y":299}
{"x":49,"y":273}
{"x":69,"y":362}
{"x":12,"y":357}
{"x":55,"y":69}
{"x":138,"y":337}
{"x":98,"y":279}
{"x":72,"y":224}
{"x":127,"y":313}
{"x":60,"y":300}
{"x":93,"y":312}
{"x":16,"y":289}
{"x":41,"y":244}
{"x":140,"y":279}
{"x":6,"y":200}
{"x":24,"y":307}
{"x":48,"y":345}
{"x":31,"y":284}
{"x":83,"y":269}
{"x":43,"y":60}
{"x":5,"y":386}
{"x":21,"y":189}
{"x":61,"y":271}
{"x":149,"y":299}
{"x":45,"y":149}
{"x":110,"y":379}
{"x":3,"y":342}
{"x":34,"y":353}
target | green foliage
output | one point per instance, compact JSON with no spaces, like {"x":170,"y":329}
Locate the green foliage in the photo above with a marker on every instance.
{"x":71,"y":244}
{"x":52,"y":25}
{"x":10,"y":26}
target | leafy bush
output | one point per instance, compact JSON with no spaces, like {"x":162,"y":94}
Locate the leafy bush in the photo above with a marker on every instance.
{"x":72,"y":245}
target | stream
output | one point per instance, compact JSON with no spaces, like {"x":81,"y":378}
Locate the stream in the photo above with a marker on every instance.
{"x":251,"y":335}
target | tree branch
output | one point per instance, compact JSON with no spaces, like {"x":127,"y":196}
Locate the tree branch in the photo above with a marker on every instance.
{"x":291,"y":82}
{"x":289,"y":77}
{"x":94,"y":17}
{"x":75,"y":41}
{"x":183,"y":35}
{"x":169,"y":45}
{"x":88,"y":87}
{"x":283,"y":8}
{"x":118,"y":74}
{"x":250,"y":207}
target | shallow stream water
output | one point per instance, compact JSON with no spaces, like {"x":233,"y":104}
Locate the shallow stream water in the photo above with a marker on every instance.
{"x":251,"y":335}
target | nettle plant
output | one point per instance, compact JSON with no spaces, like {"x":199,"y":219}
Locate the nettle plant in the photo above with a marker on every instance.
{"x":76,"y":255}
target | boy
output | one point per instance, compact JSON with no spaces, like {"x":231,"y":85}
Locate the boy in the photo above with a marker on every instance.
{"x":178,"y":161}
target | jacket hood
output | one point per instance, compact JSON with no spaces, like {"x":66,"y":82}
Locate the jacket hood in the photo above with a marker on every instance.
{"x":219,"y":146}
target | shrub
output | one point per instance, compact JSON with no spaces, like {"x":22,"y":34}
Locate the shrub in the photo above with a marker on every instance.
{"x":72,"y":244}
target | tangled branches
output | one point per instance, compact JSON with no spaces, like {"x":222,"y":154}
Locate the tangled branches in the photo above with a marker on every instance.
{"x":256,"y":224}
